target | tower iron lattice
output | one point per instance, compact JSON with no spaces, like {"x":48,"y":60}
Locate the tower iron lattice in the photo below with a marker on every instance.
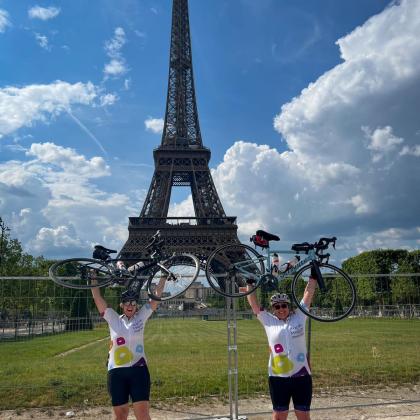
{"x":181,"y":160}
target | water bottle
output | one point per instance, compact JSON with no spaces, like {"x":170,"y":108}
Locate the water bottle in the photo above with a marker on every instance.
{"x":289,"y":264}
{"x":275,"y":263}
{"x":136,"y":266}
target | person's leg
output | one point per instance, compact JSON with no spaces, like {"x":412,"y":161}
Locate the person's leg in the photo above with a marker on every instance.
{"x":141,"y":410}
{"x":302,"y":396}
{"x":280,"y":415}
{"x":118,"y":390}
{"x":140,"y":392}
{"x":121,"y":412}
{"x":280,"y":396}
{"x":303,"y":415}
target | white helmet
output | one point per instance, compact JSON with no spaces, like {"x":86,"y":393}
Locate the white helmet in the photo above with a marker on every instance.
{"x":279,"y":297}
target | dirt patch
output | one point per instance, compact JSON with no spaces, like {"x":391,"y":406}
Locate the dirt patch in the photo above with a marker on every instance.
{"x":391,"y":403}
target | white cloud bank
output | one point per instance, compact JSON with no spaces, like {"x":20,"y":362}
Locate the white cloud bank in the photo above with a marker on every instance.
{"x":43,"y":13}
{"x":53,"y":206}
{"x":21,"y":107}
{"x":353,"y":165}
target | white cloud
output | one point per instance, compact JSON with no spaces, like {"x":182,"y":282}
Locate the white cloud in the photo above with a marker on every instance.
{"x":42,"y":41}
{"x":382,"y":141}
{"x":367,"y":103}
{"x":21,"y":107}
{"x":155,"y":125}
{"x":54,"y":208}
{"x":43,"y":13}
{"x":117,"y":66}
{"x":108,"y":99}
{"x":4,"y":20}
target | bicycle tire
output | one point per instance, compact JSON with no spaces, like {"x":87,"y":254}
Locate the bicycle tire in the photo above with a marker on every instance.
{"x":332,"y":305}
{"x":75,"y":273}
{"x":184,"y":267}
{"x":232,"y":267}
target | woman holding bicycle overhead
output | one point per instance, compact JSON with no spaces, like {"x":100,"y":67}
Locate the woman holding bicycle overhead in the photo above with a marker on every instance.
{"x":289,"y":370}
{"x":128,"y":375}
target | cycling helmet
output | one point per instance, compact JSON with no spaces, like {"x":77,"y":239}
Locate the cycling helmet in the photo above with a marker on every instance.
{"x":279,"y":297}
{"x":129,"y":295}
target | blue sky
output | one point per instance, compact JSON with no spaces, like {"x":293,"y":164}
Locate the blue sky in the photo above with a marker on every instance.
{"x":309,"y":108}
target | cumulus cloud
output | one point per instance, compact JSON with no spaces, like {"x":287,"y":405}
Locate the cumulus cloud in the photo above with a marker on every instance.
{"x":117,"y":65}
{"x":351,"y":163}
{"x":21,"y":107}
{"x":51,"y":203}
{"x":43,"y":13}
{"x":4,"y":20}
{"x":155,"y":125}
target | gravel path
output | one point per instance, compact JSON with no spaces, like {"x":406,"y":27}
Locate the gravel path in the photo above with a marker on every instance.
{"x":399,"y":403}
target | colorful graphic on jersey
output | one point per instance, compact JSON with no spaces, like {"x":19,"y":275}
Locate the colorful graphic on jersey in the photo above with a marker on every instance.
{"x":278,"y":348}
{"x":281,"y":364}
{"x":122,"y":356}
{"x":139,"y":348}
{"x":120,"y":341}
{"x":300,"y":357}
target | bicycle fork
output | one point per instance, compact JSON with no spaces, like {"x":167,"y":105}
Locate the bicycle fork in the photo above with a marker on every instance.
{"x":319,"y":278}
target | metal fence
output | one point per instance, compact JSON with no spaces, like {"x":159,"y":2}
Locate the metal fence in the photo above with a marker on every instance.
{"x":33,"y":306}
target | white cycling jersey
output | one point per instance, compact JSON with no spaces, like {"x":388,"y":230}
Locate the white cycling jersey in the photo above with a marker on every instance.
{"x":127,"y":337}
{"x":287,"y":341}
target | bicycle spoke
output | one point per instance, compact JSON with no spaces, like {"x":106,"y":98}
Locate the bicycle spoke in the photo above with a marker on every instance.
{"x":231,"y":268}
{"x":81,"y":273}
{"x":181,"y":271}
{"x":336,"y":302}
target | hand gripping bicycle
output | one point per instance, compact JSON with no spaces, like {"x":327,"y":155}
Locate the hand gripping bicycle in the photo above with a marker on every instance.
{"x":180,"y":270}
{"x":235,"y":270}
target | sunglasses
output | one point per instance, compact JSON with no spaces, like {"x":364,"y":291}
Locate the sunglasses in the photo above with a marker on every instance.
{"x":130,"y":302}
{"x":281,"y":306}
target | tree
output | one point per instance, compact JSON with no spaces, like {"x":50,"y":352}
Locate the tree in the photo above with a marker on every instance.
{"x":79,"y":316}
{"x":384,"y":289}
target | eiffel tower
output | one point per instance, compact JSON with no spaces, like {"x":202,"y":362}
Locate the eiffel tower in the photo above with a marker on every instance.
{"x":181,"y":160}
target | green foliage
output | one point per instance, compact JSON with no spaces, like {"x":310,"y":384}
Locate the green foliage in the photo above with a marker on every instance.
{"x":385,"y":289}
{"x":15,"y":262}
{"x":79,"y":315}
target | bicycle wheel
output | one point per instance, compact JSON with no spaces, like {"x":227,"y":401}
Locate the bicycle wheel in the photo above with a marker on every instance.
{"x":335,"y":303}
{"x":230,"y":268}
{"x":184,"y":269}
{"x":78,"y":273}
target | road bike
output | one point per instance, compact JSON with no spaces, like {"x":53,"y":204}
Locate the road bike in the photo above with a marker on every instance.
{"x":181,"y":270}
{"x":235,"y":270}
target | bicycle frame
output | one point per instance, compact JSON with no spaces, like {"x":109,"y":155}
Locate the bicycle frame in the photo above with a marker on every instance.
{"x":136,"y":281}
{"x":311,"y":256}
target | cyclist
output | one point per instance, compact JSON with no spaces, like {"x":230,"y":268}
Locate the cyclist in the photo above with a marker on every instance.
{"x":128,"y":375}
{"x":288,"y":368}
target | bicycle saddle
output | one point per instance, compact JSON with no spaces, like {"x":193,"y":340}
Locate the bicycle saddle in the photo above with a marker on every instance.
{"x":102,"y":248}
{"x":267,"y":236}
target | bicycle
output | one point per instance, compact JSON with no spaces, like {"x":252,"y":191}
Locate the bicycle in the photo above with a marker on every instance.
{"x":236,"y":270}
{"x":181,"y":271}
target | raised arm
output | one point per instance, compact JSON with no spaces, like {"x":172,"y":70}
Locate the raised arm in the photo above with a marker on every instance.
{"x":309,"y":292}
{"x":253,"y":301}
{"x":159,"y":289}
{"x":99,"y":300}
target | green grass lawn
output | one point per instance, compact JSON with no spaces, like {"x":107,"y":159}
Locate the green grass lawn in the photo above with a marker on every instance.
{"x":188,"y":357}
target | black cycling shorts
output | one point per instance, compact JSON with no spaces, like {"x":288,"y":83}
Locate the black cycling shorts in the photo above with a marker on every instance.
{"x":128,"y":382}
{"x":298,"y":388}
